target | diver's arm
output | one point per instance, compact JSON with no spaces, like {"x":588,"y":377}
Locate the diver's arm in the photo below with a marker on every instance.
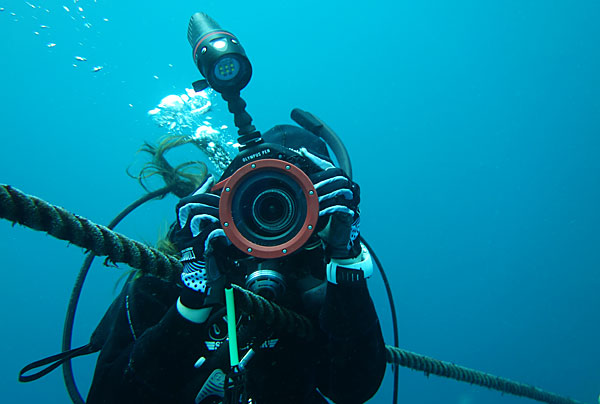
{"x":354,"y":355}
{"x":162,"y":327}
{"x":165,"y":353}
{"x":202,"y":242}
{"x":157,"y":367}
{"x":151,"y":349}
{"x":355,"y":351}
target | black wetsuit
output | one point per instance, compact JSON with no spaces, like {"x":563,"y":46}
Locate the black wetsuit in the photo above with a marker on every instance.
{"x":150,"y":353}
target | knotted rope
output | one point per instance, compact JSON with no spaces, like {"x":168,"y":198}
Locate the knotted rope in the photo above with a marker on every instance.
{"x":58,"y":222}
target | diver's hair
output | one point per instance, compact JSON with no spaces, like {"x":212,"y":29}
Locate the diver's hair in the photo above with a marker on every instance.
{"x":167,"y":246}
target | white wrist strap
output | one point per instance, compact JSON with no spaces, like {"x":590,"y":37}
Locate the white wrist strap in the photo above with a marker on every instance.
{"x":197,"y":316}
{"x":351,"y":270}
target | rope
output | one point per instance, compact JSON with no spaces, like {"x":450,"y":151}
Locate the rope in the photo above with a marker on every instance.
{"x":56,"y":221}
{"x":445,"y":369}
{"x":272,"y":314}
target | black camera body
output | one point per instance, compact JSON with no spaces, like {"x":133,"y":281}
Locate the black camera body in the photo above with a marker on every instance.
{"x":270,"y":151}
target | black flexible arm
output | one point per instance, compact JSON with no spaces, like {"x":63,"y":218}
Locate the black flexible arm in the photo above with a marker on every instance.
{"x":248,"y":135}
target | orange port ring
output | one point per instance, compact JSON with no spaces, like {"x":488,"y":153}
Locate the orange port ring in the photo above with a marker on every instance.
{"x":229,"y":187}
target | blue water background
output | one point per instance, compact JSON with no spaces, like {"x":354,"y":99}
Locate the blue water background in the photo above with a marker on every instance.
{"x":474,"y":129}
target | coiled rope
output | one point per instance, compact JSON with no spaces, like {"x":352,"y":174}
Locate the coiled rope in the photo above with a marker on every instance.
{"x":39,"y":215}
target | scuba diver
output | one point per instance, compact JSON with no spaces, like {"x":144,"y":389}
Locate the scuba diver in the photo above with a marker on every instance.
{"x":282,"y":224}
{"x":164,"y":344}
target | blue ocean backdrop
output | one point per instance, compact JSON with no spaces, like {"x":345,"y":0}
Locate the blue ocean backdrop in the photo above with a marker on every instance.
{"x":474,"y":131}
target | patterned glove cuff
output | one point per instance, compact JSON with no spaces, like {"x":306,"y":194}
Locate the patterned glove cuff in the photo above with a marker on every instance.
{"x":194,"y":275}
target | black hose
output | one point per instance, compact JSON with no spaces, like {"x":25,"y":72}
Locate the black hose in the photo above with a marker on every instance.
{"x":392,"y":310}
{"x":76,"y":293}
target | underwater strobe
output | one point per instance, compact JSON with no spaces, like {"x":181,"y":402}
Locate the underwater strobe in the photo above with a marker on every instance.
{"x":218,"y":55}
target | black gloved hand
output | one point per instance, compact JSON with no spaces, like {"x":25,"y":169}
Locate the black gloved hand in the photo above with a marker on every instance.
{"x":202,"y":242}
{"x":339,"y":216}
{"x":350,"y":261}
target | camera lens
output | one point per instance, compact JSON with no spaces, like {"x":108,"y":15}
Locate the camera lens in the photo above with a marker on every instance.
{"x":273,"y":210}
{"x":268,"y":208}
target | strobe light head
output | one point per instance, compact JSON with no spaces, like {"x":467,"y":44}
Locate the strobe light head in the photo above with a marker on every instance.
{"x":218,"y":55}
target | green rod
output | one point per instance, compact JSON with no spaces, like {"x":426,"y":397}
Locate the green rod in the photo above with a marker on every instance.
{"x":231,"y":328}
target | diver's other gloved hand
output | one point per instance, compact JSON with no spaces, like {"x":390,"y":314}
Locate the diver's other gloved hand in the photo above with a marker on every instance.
{"x":202,"y":242}
{"x":339,"y":198}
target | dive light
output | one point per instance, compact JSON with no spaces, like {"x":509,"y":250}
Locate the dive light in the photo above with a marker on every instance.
{"x":218,"y":54}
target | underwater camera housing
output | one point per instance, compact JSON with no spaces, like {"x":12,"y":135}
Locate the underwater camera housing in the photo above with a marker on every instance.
{"x":269,"y":207}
